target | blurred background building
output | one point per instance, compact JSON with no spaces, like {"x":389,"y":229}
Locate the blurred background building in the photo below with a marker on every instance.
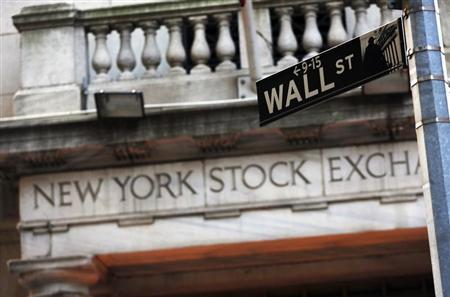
{"x":196,"y":198}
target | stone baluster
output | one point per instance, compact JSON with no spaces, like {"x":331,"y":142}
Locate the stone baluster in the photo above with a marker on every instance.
{"x":312,"y":40}
{"x":126,"y":60}
{"x":200,"y":52}
{"x":176,"y":54}
{"x":151,"y":56}
{"x":225,"y":48}
{"x":386,"y":13}
{"x":287,"y":43}
{"x":101,"y":60}
{"x":361,"y":25}
{"x":336,"y":34}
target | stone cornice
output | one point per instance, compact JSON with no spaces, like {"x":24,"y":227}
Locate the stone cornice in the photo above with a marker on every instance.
{"x":56,"y":15}
{"x":172,"y":135}
{"x":46,"y":16}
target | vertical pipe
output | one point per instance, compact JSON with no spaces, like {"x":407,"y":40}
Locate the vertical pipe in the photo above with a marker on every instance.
{"x":251,"y":42}
{"x":432,"y":112}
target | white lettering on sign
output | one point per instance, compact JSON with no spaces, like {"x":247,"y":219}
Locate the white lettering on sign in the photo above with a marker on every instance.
{"x":274,"y":97}
{"x":218,"y":182}
{"x":340,"y":66}
{"x":277,"y":98}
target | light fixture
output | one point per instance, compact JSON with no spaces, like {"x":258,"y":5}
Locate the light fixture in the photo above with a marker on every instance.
{"x":116,"y":105}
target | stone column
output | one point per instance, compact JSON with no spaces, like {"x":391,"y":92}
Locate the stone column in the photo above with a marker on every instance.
{"x":72,"y":276}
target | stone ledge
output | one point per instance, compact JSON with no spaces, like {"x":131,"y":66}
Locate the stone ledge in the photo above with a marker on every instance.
{"x":55,"y":15}
{"x":47,"y":100}
{"x":28,"y":265}
{"x":46,"y":16}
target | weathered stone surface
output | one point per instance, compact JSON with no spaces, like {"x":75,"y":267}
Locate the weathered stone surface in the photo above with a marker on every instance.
{"x":71,"y":276}
{"x":9,"y":63}
{"x":362,"y":169}
{"x":181,"y":88}
{"x":444,"y":8}
{"x":264,"y":42}
{"x":114,"y":191}
{"x":53,"y":56}
{"x":47,"y":100}
{"x":262,"y":224}
{"x":6,"y":105}
{"x":270,"y":177}
{"x":210,"y":185}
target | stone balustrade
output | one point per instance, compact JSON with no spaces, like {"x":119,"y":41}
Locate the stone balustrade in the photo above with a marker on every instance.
{"x":204,"y":38}
{"x":193,"y":56}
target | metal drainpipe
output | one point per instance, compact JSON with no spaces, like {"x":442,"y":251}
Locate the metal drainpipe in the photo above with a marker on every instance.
{"x":432,"y":112}
{"x":251,"y":42}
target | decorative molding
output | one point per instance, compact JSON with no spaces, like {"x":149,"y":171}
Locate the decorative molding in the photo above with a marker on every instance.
{"x":378,"y":128}
{"x":136,"y":221}
{"x":217,"y":143}
{"x":403,"y":127}
{"x":308,"y":206}
{"x":134,"y":152}
{"x":399,"y":128}
{"x":214,"y":215}
{"x":46,"y":159}
{"x":400,"y":198}
{"x":73,"y":275}
{"x":301,"y":135}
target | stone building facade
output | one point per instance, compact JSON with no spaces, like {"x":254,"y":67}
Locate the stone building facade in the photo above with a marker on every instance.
{"x":195,"y":197}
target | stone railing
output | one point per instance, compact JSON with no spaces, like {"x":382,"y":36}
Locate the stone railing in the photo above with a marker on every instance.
{"x":173,"y":51}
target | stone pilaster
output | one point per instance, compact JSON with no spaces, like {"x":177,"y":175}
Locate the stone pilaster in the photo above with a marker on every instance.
{"x":72,"y":276}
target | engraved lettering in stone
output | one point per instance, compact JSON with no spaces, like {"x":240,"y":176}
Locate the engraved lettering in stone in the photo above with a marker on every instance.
{"x":144,"y":189}
{"x":182,"y":180}
{"x":369,"y":169}
{"x":88,"y":190}
{"x":295,"y":170}
{"x":394,"y":163}
{"x":164,"y":180}
{"x":50,"y":197}
{"x":230,"y":181}
{"x":355,"y":168}
{"x":63,"y":192}
{"x":216,"y":179}
{"x":271,"y":174}
{"x":122,"y":185}
{"x":334,"y":168}
{"x":245,"y":179}
{"x":233,"y":175}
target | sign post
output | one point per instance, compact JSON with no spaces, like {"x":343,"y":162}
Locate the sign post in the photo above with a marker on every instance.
{"x":431,"y":100}
{"x":332,"y":72}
